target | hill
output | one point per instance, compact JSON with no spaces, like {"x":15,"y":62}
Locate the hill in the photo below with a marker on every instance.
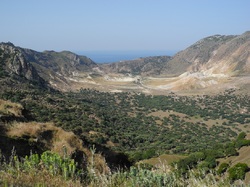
{"x":56,"y":69}
{"x":141,"y":66}
{"x":22,"y":135}
{"x":59,"y":69}
{"x":16,"y":70}
{"x":198,"y":54}
{"x":221,"y":61}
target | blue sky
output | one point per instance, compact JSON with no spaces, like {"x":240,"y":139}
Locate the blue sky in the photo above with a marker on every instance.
{"x":80,"y":25}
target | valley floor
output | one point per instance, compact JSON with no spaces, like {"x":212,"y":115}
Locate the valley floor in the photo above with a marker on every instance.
{"x":186,"y":84}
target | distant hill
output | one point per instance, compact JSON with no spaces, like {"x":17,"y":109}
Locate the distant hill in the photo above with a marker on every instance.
{"x":140,"y":66}
{"x":65,"y":62}
{"x":195,"y":55}
{"x":218,"y":60}
{"x":53,"y":68}
{"x":216,"y":54}
{"x":210,"y":53}
{"x":58,"y":68}
{"x":221,"y":61}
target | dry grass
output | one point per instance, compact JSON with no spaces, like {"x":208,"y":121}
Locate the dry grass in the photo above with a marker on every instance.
{"x":20,"y":129}
{"x":56,"y":136}
{"x":56,"y":140}
{"x":243,"y":157}
{"x":161,"y":114}
{"x":165,"y":158}
{"x":154,"y":82}
{"x":67,"y":139}
{"x":36,"y":178}
{"x":7,"y":108}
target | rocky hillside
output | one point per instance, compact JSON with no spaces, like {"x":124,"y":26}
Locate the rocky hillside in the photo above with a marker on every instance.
{"x":65,"y":63}
{"x":60,"y":69}
{"x":224,"y":54}
{"x":218,"y":60}
{"x":14,"y":63}
{"x":215,"y":60}
{"x":57,"y":69}
{"x":218,"y":53}
{"x":232,"y":57}
{"x":140,"y":66}
{"x":221,"y":61}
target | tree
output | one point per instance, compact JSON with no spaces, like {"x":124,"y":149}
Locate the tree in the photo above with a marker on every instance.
{"x":222,"y":168}
{"x":238,"y":171}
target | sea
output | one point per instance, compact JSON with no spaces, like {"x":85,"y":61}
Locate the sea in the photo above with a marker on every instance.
{"x":117,"y":56}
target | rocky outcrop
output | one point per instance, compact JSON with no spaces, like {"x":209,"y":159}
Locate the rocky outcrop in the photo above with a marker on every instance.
{"x":216,"y":54}
{"x":14,"y":62}
{"x":198,"y":54}
{"x":55,"y":68}
{"x":65,"y":63}
{"x":231,"y":58}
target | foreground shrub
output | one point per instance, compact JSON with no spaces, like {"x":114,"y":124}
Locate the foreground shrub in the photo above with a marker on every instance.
{"x":49,"y":169}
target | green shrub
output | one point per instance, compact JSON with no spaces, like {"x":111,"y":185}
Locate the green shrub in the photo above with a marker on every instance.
{"x":211,"y":162}
{"x":241,"y":142}
{"x":48,"y":169}
{"x":238,"y":171}
{"x":241,"y":136}
{"x":57,"y":165}
{"x":230,"y":151}
{"x":222,"y":168}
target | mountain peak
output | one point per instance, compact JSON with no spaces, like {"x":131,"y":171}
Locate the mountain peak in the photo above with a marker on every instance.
{"x":246,"y":33}
{"x":7,"y":43}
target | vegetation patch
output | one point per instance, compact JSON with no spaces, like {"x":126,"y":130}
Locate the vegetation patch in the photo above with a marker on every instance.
{"x":125,"y":128}
{"x":10,"y":108}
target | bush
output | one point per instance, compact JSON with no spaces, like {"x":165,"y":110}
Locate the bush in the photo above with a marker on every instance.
{"x":211,"y":162}
{"x":238,"y":171}
{"x":48,"y":169}
{"x":231,"y":151}
{"x":241,"y":136}
{"x":241,"y":142}
{"x":222,"y":168}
